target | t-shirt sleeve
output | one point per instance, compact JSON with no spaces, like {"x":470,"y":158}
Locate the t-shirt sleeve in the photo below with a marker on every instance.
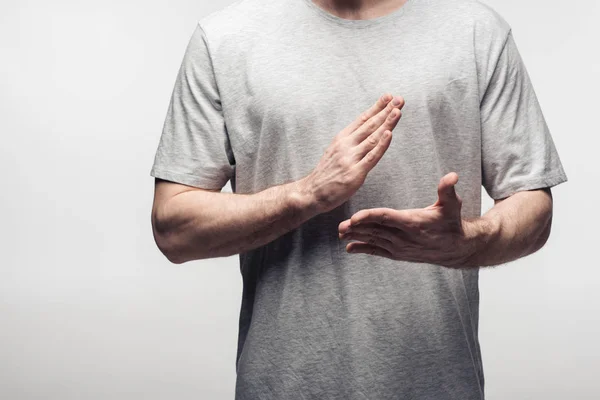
{"x":518,"y":152}
{"x":194,"y":147}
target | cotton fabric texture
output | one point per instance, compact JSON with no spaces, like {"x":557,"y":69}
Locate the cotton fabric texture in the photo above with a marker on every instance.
{"x":263,"y":88}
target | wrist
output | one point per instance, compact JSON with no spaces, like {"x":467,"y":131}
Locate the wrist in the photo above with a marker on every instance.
{"x":302,"y":199}
{"x":479,"y":234}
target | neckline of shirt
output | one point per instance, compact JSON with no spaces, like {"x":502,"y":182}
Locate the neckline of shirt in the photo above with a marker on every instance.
{"x":358,"y":23}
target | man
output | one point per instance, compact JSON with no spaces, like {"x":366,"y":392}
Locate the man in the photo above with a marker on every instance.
{"x":360,"y":279}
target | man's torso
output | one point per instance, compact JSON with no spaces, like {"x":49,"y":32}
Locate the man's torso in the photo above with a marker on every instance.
{"x":315,"y":321}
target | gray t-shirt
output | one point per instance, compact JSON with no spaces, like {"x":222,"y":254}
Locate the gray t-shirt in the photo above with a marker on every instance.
{"x":263,"y":88}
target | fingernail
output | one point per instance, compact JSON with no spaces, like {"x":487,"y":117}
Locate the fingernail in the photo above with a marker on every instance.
{"x":396,"y":101}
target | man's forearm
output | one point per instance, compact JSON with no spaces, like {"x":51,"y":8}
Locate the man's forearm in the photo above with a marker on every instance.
{"x":515,"y":227}
{"x":195,"y":225}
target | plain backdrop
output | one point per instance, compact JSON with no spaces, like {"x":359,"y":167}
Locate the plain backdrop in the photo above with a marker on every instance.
{"x":89,"y":307}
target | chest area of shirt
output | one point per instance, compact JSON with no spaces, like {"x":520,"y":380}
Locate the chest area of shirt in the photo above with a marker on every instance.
{"x":290,"y":96}
{"x":292,"y":80}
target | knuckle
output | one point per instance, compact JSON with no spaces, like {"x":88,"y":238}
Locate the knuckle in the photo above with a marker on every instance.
{"x":385,"y":218}
{"x":345,"y":161}
{"x":350,"y":159}
{"x":372,"y":125}
{"x":354,"y":158}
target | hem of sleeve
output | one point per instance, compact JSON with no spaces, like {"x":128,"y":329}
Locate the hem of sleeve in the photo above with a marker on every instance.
{"x":531,"y":184}
{"x":186,"y":179}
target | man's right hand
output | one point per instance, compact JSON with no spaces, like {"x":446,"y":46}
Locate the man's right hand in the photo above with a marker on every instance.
{"x":353,"y":152}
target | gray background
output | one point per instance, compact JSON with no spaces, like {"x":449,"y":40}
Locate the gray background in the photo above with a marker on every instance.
{"x":90,"y":309}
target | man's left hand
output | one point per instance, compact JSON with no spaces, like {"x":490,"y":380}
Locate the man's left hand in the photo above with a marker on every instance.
{"x":436,"y":234}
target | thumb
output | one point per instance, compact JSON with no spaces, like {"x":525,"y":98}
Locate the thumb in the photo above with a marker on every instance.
{"x":446,"y":191}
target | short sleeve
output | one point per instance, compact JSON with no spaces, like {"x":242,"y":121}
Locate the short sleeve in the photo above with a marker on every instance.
{"x":194,"y":147}
{"x":518,"y":152}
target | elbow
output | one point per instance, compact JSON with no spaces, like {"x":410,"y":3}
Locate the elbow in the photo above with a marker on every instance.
{"x":168,"y":249}
{"x":174,"y":257}
{"x":543,"y":237}
{"x":167,"y":242}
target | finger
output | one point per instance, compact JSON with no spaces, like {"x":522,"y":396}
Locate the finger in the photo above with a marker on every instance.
{"x":369,"y":227}
{"x":446,"y":189}
{"x":399,"y":237}
{"x":377,"y":120}
{"x":365,"y":248}
{"x":371,"y":141}
{"x":379,"y":105}
{"x":370,"y":159}
{"x":370,"y":239}
{"x":388,"y":233}
{"x":406,"y":220}
{"x":343,"y":226}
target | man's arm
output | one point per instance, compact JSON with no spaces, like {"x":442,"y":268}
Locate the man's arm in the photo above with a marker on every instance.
{"x":191,"y":223}
{"x":514,"y":227}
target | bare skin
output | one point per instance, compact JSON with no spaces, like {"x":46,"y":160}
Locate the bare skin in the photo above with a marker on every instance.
{"x":515,"y":227}
{"x":191,"y":223}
